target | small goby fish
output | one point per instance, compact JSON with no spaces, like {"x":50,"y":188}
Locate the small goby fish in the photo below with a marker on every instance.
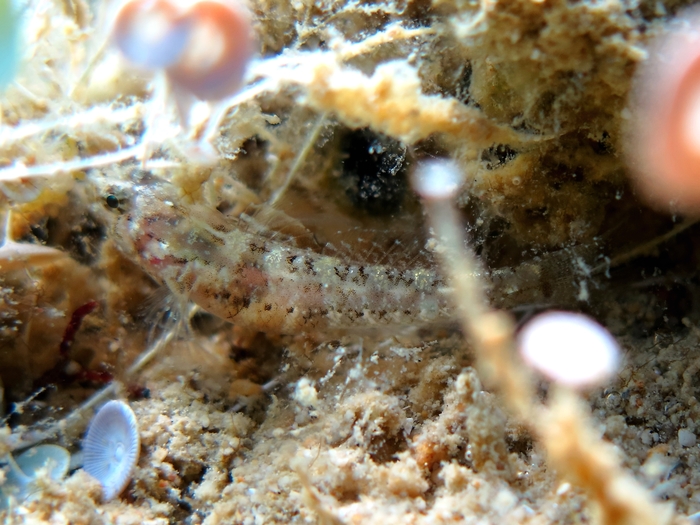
{"x":262,"y":283}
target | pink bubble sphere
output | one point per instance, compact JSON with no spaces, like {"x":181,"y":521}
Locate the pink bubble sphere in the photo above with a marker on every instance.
{"x":663,"y":142}
{"x":204,"y":46}
{"x":569,"y":348}
{"x":218,"y":50}
{"x":151,"y":34}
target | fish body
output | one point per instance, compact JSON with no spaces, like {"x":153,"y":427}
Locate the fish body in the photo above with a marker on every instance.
{"x":265,"y":283}
{"x":243,"y":273}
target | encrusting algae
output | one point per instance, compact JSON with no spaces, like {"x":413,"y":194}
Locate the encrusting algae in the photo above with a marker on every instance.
{"x":300,"y":336}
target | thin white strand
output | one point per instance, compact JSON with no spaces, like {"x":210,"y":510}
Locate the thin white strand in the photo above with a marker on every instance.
{"x":14,"y":173}
{"x":99,"y":114}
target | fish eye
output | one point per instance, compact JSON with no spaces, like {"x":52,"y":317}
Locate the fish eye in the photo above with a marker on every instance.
{"x":112,"y":201}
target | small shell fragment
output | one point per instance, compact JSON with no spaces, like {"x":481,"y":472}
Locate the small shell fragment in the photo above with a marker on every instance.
{"x":111,"y":447}
{"x":21,"y":473}
{"x":56,"y":458}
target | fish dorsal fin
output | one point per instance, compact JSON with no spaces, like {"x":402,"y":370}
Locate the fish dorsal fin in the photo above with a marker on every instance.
{"x":276,"y":225}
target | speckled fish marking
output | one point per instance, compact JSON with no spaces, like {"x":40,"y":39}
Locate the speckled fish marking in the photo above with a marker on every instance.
{"x":266,"y":284}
